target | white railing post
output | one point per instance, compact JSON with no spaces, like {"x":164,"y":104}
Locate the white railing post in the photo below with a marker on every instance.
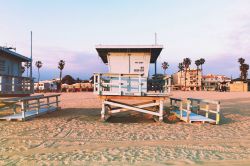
{"x":13,"y":84}
{"x":23,"y":110}
{"x":94,"y":82}
{"x":120,"y":84}
{"x":48,"y":103}
{"x":38,"y":106}
{"x":57,"y":102}
{"x":181,"y":108}
{"x":169,"y":84}
{"x":140,"y":85}
{"x":207,"y":109}
{"x":218,"y":114}
{"x":188,"y":111}
{"x":161,"y":111}
{"x":99,"y":84}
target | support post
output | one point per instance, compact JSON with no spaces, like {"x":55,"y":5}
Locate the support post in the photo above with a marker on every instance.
{"x":188,"y":111}
{"x":120,"y":84}
{"x":94,"y":82}
{"x":38,"y":106}
{"x":99,"y":84}
{"x":218,"y":114}
{"x":207,"y":109}
{"x":140,"y":85}
{"x":103,"y":110}
{"x":23,"y":110}
{"x":48,"y":103}
{"x":181,"y":108}
{"x":57,"y":102}
{"x":161,"y":111}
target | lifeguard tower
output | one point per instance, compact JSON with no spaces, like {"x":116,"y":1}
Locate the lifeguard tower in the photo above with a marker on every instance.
{"x":127,"y":80}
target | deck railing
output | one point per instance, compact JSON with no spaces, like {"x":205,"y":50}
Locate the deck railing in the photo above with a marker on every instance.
{"x":119,"y":84}
{"x":15,"y":85}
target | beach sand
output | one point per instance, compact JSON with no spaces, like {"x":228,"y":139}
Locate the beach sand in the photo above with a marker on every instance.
{"x":76,"y":136}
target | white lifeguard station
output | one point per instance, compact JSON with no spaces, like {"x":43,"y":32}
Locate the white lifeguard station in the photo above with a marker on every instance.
{"x":127,"y":79}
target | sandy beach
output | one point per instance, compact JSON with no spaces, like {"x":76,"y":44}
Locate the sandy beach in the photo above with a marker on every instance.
{"x":76,"y":136}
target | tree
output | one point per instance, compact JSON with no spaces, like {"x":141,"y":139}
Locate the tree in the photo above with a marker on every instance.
{"x":186,"y":63}
{"x":39,"y":64}
{"x":181,"y":68}
{"x":27,"y":65}
{"x":68,"y":79}
{"x":202,"y":61}
{"x":244,"y":69}
{"x":242,"y":62}
{"x":61,"y":65}
{"x":165,"y":66}
{"x":197,"y":63}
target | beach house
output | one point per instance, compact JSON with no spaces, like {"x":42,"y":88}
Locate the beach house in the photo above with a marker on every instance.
{"x":12,"y":83}
{"x":193,"y":80}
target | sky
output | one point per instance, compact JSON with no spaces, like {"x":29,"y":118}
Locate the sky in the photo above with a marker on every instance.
{"x":217,"y":30}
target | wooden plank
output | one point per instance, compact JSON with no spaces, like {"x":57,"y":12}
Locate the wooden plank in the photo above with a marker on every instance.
{"x":132,"y":108}
{"x":108,"y":97}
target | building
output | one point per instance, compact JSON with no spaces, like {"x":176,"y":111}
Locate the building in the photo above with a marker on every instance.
{"x":130,"y":60}
{"x":239,"y":85}
{"x":193,"y":80}
{"x":212,"y":82}
{"x":12,"y":83}
{"x":46,"y":85}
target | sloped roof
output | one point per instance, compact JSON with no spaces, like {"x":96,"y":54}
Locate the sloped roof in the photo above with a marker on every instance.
{"x":14,"y":54}
{"x":103,"y":50}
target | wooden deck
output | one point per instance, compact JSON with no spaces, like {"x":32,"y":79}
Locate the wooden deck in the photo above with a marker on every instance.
{"x":30,"y":106}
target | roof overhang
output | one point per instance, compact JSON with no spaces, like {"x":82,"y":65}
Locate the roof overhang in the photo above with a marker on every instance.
{"x":14,"y":54}
{"x":154,"y":50}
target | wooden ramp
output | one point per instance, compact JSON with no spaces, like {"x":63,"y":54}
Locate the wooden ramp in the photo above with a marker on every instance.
{"x":195,"y":109}
{"x":193,"y":117}
{"x":30,"y":106}
{"x":28,"y":114}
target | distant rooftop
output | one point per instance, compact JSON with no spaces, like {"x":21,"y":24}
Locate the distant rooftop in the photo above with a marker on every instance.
{"x":7,"y":51}
{"x":103,"y":50}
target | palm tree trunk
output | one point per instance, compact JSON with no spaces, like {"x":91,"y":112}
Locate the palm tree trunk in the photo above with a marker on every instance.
{"x":60,"y":88}
{"x":197,"y":78}
{"x":201,"y":78}
{"x":38,"y":79}
{"x":181,"y":80}
{"x":185,"y":79}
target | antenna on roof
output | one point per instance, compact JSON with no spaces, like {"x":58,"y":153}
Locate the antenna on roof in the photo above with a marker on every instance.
{"x":155,"y":38}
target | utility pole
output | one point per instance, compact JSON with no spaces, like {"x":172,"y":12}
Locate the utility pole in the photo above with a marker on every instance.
{"x":156,"y":59}
{"x":31,"y":60}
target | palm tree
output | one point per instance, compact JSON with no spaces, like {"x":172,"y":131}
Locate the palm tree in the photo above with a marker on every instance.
{"x":165,"y":66}
{"x":39,"y":64}
{"x":197,"y":63}
{"x":244,"y":69}
{"x":181,"y":68}
{"x":241,"y":61}
{"x":202,"y":61}
{"x":186,"y":64}
{"x":27,"y":65}
{"x":61,"y":65}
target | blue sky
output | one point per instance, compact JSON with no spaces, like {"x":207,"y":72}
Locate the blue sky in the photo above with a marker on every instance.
{"x":217,"y":30}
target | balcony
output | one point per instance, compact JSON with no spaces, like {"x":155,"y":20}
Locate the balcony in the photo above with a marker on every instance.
{"x":15,"y":86}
